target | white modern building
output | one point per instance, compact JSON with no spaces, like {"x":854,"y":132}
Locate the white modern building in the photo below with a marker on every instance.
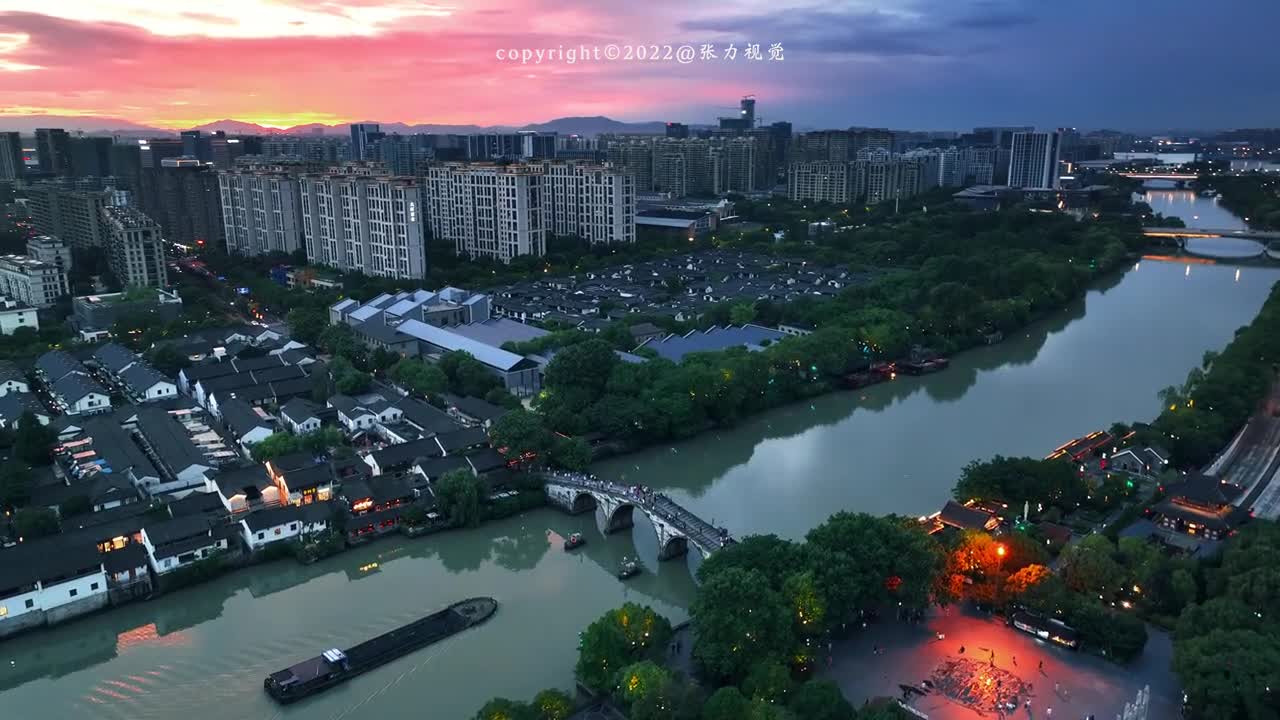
{"x":261,"y":210}
{"x":134,"y":248}
{"x":51,"y":250}
{"x":365,"y":223}
{"x":489,"y":211}
{"x":30,"y":281}
{"x":1033,"y":160}
{"x":15,"y":314}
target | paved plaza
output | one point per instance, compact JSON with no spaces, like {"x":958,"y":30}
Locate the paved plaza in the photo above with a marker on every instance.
{"x":874,"y":663}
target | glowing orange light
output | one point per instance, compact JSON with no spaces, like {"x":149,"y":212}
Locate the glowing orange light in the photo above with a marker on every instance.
{"x":1000,"y":550}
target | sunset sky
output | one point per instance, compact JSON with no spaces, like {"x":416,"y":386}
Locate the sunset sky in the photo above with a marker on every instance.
{"x":1143,"y":64}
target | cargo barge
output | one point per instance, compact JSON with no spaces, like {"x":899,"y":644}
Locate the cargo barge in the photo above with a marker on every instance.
{"x":337,"y":666}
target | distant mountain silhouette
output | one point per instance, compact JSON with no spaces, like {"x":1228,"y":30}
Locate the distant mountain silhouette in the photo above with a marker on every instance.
{"x":106,"y":125}
{"x":89,"y":124}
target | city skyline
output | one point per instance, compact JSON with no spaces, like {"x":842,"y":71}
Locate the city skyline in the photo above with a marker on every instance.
{"x":922,"y":64}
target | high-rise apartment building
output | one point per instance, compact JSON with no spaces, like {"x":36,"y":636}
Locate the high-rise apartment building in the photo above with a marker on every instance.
{"x":357,"y":222}
{"x":822,"y":146}
{"x":69,"y":212}
{"x":822,"y":181}
{"x":312,"y":148}
{"x":488,"y":211}
{"x":134,"y":249}
{"x":734,"y":165}
{"x":33,"y":282}
{"x":595,"y":203}
{"x":53,"y":151}
{"x":261,"y":210}
{"x":182,"y":196}
{"x":1033,"y":160}
{"x":363,"y":138}
{"x":676,"y":130}
{"x":876,"y":176}
{"x":635,"y":157}
{"x":684,"y":167}
{"x":869,"y":139}
{"x":11,"y":165}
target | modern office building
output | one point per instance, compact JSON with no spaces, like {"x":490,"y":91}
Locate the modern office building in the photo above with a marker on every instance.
{"x":53,"y":151}
{"x":154,"y":152}
{"x":1033,"y":160}
{"x":69,"y":212}
{"x":363,"y":138}
{"x":489,"y":211}
{"x":134,"y":248}
{"x":11,"y":165}
{"x":261,"y":210}
{"x":52,"y":250}
{"x":374,"y":224}
{"x":126,"y":164}
{"x":30,"y":281}
{"x":823,"y":181}
{"x":182,"y":197}
{"x":90,"y":156}
{"x":595,"y":203}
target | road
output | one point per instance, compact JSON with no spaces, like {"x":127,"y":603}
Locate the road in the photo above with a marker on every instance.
{"x":1256,"y":466}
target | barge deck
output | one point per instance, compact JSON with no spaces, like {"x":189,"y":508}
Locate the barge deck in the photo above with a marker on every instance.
{"x":337,"y":666}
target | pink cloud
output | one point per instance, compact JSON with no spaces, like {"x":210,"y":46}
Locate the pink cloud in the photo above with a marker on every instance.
{"x":436,"y":69}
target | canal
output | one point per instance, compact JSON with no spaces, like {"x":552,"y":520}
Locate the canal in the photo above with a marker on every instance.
{"x":201,"y":653}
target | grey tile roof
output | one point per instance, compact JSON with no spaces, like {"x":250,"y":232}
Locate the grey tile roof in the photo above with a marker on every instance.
{"x":46,"y":559}
{"x":140,"y":378}
{"x":114,"y":357}
{"x":237,"y":480}
{"x":177,"y":529}
{"x":426,"y":417}
{"x":9,"y":371}
{"x":74,"y":386}
{"x":404,"y":453}
{"x":115,"y":448}
{"x":496,"y":331}
{"x":299,"y":410}
{"x":169,"y":440}
{"x":675,"y":347}
{"x":475,"y":407}
{"x":13,"y":404}
{"x":461,"y":439}
{"x":56,"y":364}
{"x":241,"y":418}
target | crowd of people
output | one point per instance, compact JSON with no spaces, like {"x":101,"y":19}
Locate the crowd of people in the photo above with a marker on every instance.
{"x":647,"y":498}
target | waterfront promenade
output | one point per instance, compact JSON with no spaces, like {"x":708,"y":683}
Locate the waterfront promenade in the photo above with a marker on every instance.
{"x":1075,"y":684}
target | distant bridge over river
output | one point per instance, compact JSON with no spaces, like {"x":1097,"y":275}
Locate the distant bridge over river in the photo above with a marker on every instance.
{"x":677,"y":528}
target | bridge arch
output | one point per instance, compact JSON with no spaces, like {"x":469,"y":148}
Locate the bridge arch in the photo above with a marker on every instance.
{"x":583,"y":502}
{"x":621,"y":517}
{"x":675,"y":547}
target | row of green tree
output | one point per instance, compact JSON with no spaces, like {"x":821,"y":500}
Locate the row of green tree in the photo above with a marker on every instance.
{"x":1254,"y":196}
{"x":1226,"y":649}
{"x":1200,"y":417}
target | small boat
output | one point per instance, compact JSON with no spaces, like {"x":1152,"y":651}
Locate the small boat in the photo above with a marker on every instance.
{"x":574,"y":541}
{"x":628,"y":569}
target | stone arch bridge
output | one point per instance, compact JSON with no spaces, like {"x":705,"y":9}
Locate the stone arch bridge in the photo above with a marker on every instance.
{"x":677,"y":528}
